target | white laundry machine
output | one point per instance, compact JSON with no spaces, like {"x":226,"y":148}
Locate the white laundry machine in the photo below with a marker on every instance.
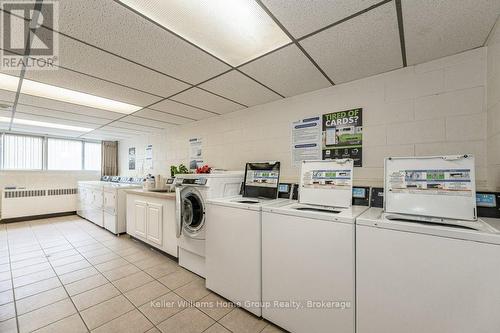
{"x":432,"y":272}
{"x":233,"y":247}
{"x":192,"y":193}
{"x":308,"y":256}
{"x":103,"y":202}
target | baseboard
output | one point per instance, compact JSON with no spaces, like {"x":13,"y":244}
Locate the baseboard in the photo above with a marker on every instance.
{"x":36,"y":217}
{"x":154,"y":248}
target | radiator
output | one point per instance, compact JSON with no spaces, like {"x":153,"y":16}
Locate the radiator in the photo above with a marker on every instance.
{"x":31,"y":202}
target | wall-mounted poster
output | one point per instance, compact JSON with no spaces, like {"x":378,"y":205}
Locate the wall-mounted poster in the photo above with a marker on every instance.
{"x":131,"y":158}
{"x":195,"y":153}
{"x":148,"y":158}
{"x":343,"y":135}
{"x":306,"y":140}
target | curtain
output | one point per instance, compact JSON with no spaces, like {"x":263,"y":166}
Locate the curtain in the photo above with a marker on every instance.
{"x":109,"y":160}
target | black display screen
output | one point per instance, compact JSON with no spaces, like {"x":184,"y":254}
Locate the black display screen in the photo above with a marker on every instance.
{"x":261,"y":180}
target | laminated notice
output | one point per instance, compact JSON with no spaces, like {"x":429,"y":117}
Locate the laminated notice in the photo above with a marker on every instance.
{"x":262,"y":178}
{"x":328,"y":179}
{"x":456,"y":182}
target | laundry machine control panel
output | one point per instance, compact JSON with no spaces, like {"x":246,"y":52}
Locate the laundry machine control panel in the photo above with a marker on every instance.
{"x":361,"y":195}
{"x":488,"y":204}
{"x":377,"y":197}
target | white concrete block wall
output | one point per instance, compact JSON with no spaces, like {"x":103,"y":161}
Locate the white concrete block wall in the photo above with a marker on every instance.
{"x":493,"y":104}
{"x":434,"y":108}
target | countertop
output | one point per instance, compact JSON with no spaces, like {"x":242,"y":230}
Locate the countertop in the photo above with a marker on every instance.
{"x":160,"y":195}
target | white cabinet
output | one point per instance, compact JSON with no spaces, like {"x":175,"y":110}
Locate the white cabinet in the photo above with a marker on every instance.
{"x":97,"y":198}
{"x":154,"y":223}
{"x":110,"y":222}
{"x":140,"y":218}
{"x":91,"y":202}
{"x":152,"y":220}
{"x":110,"y":202}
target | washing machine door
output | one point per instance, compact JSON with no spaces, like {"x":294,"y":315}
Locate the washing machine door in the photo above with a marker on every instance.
{"x":192,"y":212}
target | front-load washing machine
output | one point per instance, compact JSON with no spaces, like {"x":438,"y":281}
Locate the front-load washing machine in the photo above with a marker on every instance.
{"x":192,"y":193}
{"x":308,"y":255}
{"x":426,"y":263}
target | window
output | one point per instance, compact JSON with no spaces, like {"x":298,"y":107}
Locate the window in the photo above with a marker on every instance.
{"x":64,"y":154}
{"x":30,"y":152}
{"x":22,"y":152}
{"x":92,"y":154}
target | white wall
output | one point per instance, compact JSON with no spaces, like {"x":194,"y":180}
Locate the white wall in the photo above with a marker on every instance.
{"x":434,"y":108}
{"x":45,"y":179}
{"x":494,"y":107}
{"x":160,"y":163}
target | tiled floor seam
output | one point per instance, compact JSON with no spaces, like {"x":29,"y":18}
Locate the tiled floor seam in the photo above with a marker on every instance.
{"x":115,"y":251}
{"x":97,"y":286}
{"x":34,"y":273}
{"x":28,"y":284}
{"x":12,"y":280}
{"x":39,"y":328}
{"x":109,"y":282}
{"x":140,"y":269}
{"x":64,"y":287}
{"x":119,"y":317}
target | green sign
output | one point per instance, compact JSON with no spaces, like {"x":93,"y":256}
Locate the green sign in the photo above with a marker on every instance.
{"x":343,"y":135}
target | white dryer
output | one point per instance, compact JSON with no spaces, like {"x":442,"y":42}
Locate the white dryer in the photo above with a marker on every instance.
{"x":192,"y":193}
{"x":308,"y":255}
{"x":427,"y":263}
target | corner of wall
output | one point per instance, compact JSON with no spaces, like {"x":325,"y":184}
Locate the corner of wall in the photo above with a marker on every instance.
{"x":493,"y":107}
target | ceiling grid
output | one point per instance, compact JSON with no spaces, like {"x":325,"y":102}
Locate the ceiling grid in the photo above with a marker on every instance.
{"x":27,"y":49}
{"x":316,"y":54}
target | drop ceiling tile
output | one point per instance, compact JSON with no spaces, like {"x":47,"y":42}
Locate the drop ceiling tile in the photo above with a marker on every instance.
{"x":100,"y":137}
{"x":288,"y":71}
{"x":5,"y":113}
{"x":182,"y":110}
{"x":126,"y":131}
{"x":152,"y":123}
{"x":28,"y":109}
{"x":151,"y":116}
{"x":14,"y":72}
{"x":67,"y":107}
{"x":107,"y":135}
{"x":435,"y":29}
{"x":364,"y":46}
{"x":111,"y":26}
{"x":90,"y":60}
{"x":118,"y":133}
{"x":7,"y":97}
{"x":240,"y":88}
{"x":303,"y":17}
{"x":130,"y":124}
{"x":70,"y":80}
{"x":207,"y":101}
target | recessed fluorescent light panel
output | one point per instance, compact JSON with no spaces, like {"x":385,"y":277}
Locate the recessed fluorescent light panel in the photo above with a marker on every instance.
{"x":18,"y":121}
{"x":236,"y":31}
{"x":9,"y":82}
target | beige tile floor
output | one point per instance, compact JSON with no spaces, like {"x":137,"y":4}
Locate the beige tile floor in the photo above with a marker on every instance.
{"x":67,"y":275}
